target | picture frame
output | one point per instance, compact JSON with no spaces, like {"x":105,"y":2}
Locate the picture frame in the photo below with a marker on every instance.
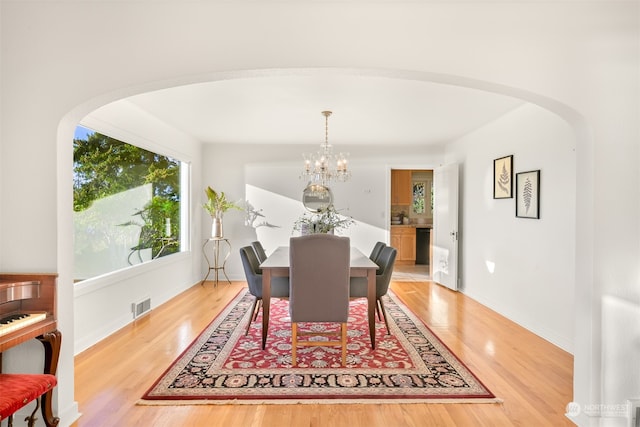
{"x":503,"y":178}
{"x":528,"y":194}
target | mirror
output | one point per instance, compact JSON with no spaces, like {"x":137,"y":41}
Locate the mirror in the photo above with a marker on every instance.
{"x":317,"y":198}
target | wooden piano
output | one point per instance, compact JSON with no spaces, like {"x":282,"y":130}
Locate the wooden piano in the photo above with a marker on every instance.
{"x":28,"y":305}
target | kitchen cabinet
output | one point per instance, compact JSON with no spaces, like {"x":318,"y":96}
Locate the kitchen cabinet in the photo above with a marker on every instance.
{"x":404,"y":240}
{"x":401,"y":187}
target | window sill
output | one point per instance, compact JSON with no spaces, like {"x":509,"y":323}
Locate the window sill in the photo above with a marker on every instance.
{"x":96,"y":283}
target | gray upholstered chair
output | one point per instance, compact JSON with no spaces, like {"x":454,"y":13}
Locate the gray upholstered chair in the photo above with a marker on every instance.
{"x":260,"y":252}
{"x":358,"y":285}
{"x":319,"y":287}
{"x":375,"y":252}
{"x":251,"y":265}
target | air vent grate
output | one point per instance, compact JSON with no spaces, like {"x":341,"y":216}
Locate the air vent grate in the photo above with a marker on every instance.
{"x":140,"y":308}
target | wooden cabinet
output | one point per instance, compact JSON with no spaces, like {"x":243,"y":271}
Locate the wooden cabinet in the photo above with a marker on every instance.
{"x":401,"y":187}
{"x":404,"y":240}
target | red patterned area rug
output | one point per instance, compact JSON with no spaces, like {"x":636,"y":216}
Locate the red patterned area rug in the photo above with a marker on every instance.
{"x":409,"y":365}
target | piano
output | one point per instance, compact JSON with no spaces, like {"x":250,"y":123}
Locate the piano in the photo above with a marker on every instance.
{"x":28,"y":311}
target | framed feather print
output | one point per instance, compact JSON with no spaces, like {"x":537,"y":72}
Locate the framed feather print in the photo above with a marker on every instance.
{"x":503,"y":178}
{"x":528,"y":194}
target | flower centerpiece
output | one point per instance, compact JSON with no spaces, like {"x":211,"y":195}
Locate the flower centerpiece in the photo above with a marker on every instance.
{"x":217,"y":204}
{"x":328,"y":221}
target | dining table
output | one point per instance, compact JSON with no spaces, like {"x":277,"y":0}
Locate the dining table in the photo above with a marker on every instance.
{"x":277,"y":265}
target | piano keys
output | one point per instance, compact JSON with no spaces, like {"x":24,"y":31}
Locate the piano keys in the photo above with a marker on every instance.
{"x":27,"y":293}
{"x":18,"y":321}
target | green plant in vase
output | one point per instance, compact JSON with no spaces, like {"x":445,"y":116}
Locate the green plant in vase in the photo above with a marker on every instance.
{"x":217,"y":204}
{"x":329,"y":221}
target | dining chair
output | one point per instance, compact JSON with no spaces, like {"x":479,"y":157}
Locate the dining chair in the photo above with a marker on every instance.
{"x":251,"y":265}
{"x":375,"y":252}
{"x":318,"y":288}
{"x":260,"y":252}
{"x":358,"y":285}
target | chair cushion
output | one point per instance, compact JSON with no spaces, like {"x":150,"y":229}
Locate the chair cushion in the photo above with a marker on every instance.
{"x":20,"y":389}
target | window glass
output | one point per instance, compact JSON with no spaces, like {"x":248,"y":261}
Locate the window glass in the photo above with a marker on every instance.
{"x":126,"y":204}
{"x":422,"y":194}
{"x":419,"y":197}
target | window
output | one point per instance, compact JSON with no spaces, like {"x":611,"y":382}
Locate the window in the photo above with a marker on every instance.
{"x":127,"y":204}
{"x":419,"y":192}
{"x":422,"y":194}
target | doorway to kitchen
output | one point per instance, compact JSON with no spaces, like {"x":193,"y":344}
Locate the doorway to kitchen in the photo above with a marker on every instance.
{"x":411,"y":214}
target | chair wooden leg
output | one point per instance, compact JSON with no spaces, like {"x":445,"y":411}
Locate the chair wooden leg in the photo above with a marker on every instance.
{"x":254,"y":314}
{"x":343,"y":330}
{"x":258,"y":308}
{"x":294,"y":343}
{"x":378,"y":312}
{"x":384,"y":314}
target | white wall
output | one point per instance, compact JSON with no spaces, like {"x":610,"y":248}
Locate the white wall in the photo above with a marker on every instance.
{"x":98,"y":307}
{"x":268,"y":177}
{"x":534,"y":259}
{"x":580,"y":59}
{"x":522,"y":268}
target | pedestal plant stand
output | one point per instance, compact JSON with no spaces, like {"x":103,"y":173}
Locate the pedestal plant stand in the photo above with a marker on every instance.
{"x":216,"y":205}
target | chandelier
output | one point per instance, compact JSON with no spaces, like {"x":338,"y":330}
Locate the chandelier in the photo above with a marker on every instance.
{"x":323,"y":166}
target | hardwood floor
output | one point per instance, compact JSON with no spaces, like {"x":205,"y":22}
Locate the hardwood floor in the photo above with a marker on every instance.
{"x":532,"y":376}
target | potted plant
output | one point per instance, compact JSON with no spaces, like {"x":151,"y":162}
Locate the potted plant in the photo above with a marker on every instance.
{"x":328,"y":221}
{"x":217,"y":204}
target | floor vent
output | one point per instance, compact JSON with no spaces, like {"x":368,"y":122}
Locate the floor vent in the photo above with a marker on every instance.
{"x":140,"y":308}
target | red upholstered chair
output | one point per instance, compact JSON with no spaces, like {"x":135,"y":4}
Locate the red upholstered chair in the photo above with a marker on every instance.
{"x":18,"y":390}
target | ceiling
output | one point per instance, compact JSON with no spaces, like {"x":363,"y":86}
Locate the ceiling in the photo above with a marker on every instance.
{"x":287,"y":110}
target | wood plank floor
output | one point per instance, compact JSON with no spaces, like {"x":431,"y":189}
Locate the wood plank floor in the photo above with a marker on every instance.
{"x":532,"y":376}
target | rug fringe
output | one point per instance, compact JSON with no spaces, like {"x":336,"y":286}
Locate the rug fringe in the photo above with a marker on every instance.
{"x":187,"y":402}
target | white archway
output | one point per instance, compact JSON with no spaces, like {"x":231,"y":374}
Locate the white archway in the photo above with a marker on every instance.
{"x":584,"y":220}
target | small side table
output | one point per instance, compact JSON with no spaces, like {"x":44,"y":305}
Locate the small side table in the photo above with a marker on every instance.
{"x":217,"y":266}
